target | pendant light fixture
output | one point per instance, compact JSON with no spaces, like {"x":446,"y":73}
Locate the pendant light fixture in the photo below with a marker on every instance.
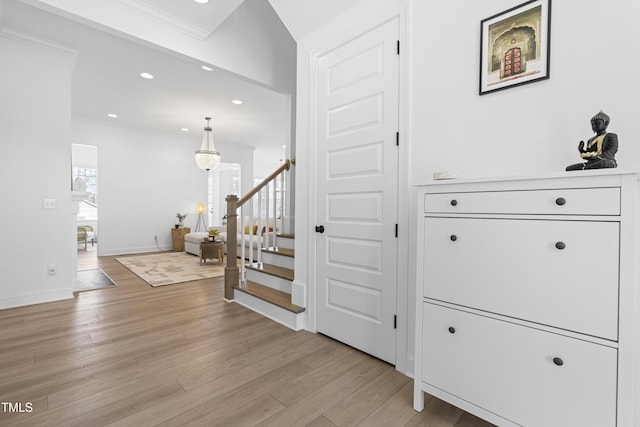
{"x":207,"y":157}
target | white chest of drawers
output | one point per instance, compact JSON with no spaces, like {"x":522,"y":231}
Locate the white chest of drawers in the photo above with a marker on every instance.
{"x":527,"y":302}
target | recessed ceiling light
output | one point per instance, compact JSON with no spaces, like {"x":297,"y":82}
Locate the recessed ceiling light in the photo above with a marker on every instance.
{"x":204,"y":67}
{"x":284,"y":146}
{"x":146,"y":75}
{"x":184,"y":130}
{"x":237,"y":101}
{"x":113,"y":116}
{"x":202,"y":1}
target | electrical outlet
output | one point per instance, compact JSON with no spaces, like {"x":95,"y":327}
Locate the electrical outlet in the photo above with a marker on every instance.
{"x":49,"y":204}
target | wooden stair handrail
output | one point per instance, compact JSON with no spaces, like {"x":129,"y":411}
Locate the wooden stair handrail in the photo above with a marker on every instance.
{"x":231,"y":271}
{"x":284,"y":167}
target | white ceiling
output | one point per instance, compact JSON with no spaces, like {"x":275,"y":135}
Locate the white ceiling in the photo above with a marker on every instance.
{"x":106,"y":78}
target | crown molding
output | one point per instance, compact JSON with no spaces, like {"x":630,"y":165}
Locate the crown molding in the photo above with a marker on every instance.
{"x":158,"y":16}
{"x":10,"y":34}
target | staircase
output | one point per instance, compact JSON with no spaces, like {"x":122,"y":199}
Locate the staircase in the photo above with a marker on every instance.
{"x":263,"y":285}
{"x":267,"y":288}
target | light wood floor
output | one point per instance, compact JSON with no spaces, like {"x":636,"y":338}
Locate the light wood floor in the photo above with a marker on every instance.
{"x":87,"y":260}
{"x":133,"y":355}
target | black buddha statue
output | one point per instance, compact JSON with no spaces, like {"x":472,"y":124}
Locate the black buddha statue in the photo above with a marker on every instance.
{"x":601,"y":149}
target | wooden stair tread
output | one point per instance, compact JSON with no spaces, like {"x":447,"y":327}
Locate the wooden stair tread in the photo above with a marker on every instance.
{"x":279,"y":251}
{"x":273,"y":296}
{"x":286,"y":235}
{"x":274,"y":270}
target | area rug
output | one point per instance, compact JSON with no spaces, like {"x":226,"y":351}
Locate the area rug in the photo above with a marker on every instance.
{"x":169,"y":268}
{"x":89,"y":280}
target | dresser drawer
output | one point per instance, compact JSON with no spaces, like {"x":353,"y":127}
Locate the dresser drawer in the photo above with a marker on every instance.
{"x":514,"y":268}
{"x":509,"y":370}
{"x":583,"y":201}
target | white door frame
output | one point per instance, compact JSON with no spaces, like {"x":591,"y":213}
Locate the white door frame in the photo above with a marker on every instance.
{"x":304,"y":283}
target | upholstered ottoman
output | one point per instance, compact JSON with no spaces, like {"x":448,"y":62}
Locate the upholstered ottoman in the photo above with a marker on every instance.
{"x":192,"y":240}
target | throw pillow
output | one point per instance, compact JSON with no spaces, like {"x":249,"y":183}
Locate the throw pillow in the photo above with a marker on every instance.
{"x":254,"y":231}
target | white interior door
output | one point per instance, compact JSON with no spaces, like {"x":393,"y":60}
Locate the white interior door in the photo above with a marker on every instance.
{"x":357,"y":183}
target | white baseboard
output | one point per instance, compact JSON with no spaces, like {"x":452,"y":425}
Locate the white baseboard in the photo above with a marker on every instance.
{"x":131,"y":251}
{"x":38,"y":298}
{"x":410,"y":367}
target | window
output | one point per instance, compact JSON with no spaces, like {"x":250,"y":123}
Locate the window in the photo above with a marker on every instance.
{"x":90,"y":177}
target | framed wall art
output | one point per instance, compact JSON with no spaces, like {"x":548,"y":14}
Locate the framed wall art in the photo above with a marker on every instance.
{"x":515,"y":46}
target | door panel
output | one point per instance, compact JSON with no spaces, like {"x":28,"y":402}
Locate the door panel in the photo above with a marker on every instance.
{"x":366,"y":64}
{"x":363,"y":255}
{"x":363,"y":208}
{"x":357,"y":182}
{"x":356,"y":115}
{"x":356,"y":161}
{"x":355,"y":300}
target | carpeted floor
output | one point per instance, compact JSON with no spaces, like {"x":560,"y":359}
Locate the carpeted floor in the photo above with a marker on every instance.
{"x":93,"y":279}
{"x":169,"y":268}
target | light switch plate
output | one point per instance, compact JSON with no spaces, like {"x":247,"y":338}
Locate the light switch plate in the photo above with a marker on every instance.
{"x":49,"y":204}
{"x":446,"y":175}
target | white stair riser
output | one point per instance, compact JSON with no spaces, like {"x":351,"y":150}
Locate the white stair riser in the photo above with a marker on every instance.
{"x":274,"y":282}
{"x":284,"y":317}
{"x":279,"y":260}
{"x":285,"y":242}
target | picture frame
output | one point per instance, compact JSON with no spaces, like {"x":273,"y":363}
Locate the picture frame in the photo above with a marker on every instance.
{"x":515,"y":46}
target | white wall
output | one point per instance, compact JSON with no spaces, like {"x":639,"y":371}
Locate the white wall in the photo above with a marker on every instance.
{"x":84,"y":156}
{"x":264,"y":168}
{"x":304,"y":17}
{"x":35,"y":164}
{"x":534,"y":128}
{"x":531,"y":128}
{"x":254,"y":43}
{"x":144,"y":180}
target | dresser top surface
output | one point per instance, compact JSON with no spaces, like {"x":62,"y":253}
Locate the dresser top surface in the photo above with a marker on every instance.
{"x":606,"y":174}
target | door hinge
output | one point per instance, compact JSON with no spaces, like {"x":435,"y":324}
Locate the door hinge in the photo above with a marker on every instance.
{"x":396,"y":230}
{"x":397,"y":138}
{"x":398,"y":47}
{"x":395,"y":321}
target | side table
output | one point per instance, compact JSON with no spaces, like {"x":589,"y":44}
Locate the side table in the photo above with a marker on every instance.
{"x":212,"y":250}
{"x":177,"y":237}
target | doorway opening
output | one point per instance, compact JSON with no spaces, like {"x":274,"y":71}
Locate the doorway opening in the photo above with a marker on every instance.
{"x":84,"y":165}
{"x":223,"y":180}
